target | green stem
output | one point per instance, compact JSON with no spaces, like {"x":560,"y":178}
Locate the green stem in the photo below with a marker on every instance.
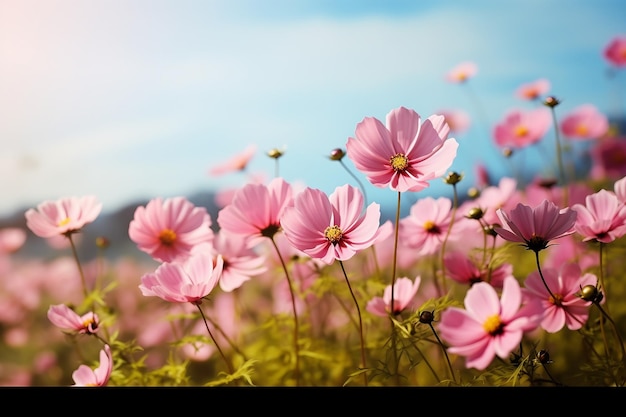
{"x":296,"y":330}
{"x":358,"y":310}
{"x":228,"y":364}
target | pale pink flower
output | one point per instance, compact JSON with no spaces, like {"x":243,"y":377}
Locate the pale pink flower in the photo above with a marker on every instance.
{"x":168,"y":229}
{"x":533,"y":90}
{"x":84,"y":376}
{"x":615,"y":51}
{"x":521,"y":128}
{"x":458,"y":120}
{"x":504,"y":195}
{"x":241,"y":262}
{"x":584,"y":122}
{"x":187,"y":281}
{"x":67,"y":319}
{"x":462,"y":72}
{"x":256,"y":210}
{"x":426,"y":226}
{"x":489,"y":326}
{"x":238,"y":162}
{"x":404,"y":292}
{"x":566,"y":308}
{"x":404,"y":154}
{"x":535,"y":227}
{"x":62,"y":217}
{"x":602,"y":218}
{"x":539,"y":190}
{"x":466,"y":270}
{"x":11,"y":239}
{"x":331,"y":227}
{"x":619,"y":188}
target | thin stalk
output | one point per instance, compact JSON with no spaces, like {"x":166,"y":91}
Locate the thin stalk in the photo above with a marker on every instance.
{"x":219,"y":349}
{"x":358,"y":310}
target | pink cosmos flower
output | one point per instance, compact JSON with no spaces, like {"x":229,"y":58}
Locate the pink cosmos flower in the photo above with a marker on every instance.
{"x":404,"y":154}
{"x":521,"y":128}
{"x":84,"y":376}
{"x":462,"y":72}
{"x":533,"y":90}
{"x":504,"y":195}
{"x":187,"y":281}
{"x":238,"y":162}
{"x":602,"y":218}
{"x":464,"y":269}
{"x":619,"y":188}
{"x":65,"y":318}
{"x":11,"y":239}
{"x":403,"y":297}
{"x":62,"y":217}
{"x":427,"y":224}
{"x":535,"y":227}
{"x":608,"y":158}
{"x":584,"y":122}
{"x":256,"y":210}
{"x":241,"y":262}
{"x":331,"y":227}
{"x":615,"y":51}
{"x":168,"y":229}
{"x":458,"y":120}
{"x":566,"y":308}
{"x":489,"y":326}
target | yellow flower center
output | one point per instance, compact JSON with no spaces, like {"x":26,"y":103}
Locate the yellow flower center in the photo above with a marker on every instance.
{"x":557,"y":300}
{"x":431,"y":227}
{"x":582,"y":130}
{"x":493,"y":325}
{"x":399,"y":162}
{"x":167,"y":237}
{"x":333,"y":234}
{"x":521,"y":130}
{"x":64,"y":222}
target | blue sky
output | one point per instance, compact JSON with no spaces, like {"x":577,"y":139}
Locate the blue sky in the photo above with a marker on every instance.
{"x":134,"y":99}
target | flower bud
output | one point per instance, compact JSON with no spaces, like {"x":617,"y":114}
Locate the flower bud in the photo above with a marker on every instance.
{"x":337,"y":154}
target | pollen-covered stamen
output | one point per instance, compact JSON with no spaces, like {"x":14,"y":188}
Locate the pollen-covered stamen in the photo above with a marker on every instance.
{"x":521,"y":130}
{"x":333,"y":234}
{"x":399,"y":162}
{"x":582,"y":130}
{"x":556,"y":299}
{"x":167,"y":237}
{"x":431,"y":227}
{"x":493,"y":325}
{"x":64,"y":222}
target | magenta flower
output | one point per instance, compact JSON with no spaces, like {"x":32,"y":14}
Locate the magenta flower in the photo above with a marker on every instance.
{"x":426,"y":226}
{"x":489,"y":326}
{"x":521,"y":128}
{"x":535,"y":227}
{"x":566,"y":308}
{"x":533,"y":90}
{"x":62,"y":217}
{"x":465,"y":270}
{"x":404,"y":154}
{"x":65,"y":318}
{"x":403,"y":296}
{"x":585,"y":122}
{"x":608,"y":158}
{"x":238,"y":162}
{"x":84,"y":376}
{"x":332,"y":227}
{"x":615,"y":51}
{"x":256,"y":210}
{"x":188,"y":281}
{"x":602,"y":218}
{"x":462,"y":72}
{"x":168,"y":229}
